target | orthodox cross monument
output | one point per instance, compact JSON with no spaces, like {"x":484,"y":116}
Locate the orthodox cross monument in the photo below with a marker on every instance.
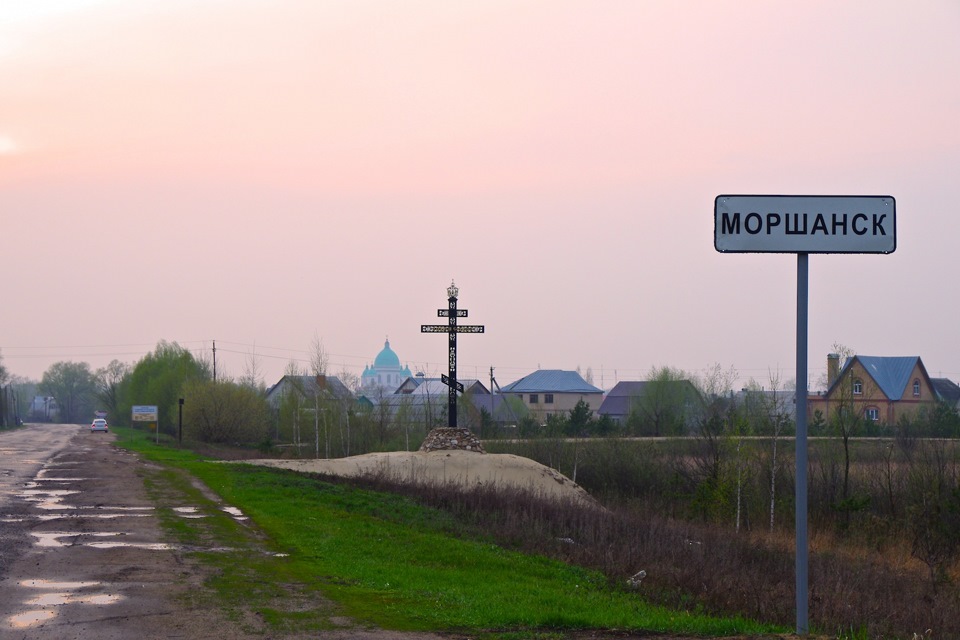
{"x":452,"y":329}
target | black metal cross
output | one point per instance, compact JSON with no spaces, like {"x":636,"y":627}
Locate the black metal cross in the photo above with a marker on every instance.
{"x":452,"y":328}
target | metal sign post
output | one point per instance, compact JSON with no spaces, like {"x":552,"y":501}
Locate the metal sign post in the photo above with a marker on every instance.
{"x":804,"y":225}
{"x":452,"y":329}
{"x":800,"y":490}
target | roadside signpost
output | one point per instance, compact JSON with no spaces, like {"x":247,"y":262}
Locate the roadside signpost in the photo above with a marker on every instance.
{"x":452,"y":329}
{"x":146,"y":413}
{"x":804,"y":225}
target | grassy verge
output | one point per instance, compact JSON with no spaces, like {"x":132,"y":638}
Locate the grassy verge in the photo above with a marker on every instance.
{"x":388,"y":561}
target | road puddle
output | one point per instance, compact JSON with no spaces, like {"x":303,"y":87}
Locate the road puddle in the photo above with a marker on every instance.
{"x":73,"y":515}
{"x":43,"y":477}
{"x":53,"y":538}
{"x":59,"y":599}
{"x":29,"y":619}
{"x":30,"y":494}
{"x":47,"y":499}
{"x":54,"y":504}
{"x":59,"y":539}
{"x":43,"y":607}
{"x":233,"y":511}
{"x":151,"y":546}
{"x":58,"y":586}
{"x":48,"y":517}
{"x":189,"y":512}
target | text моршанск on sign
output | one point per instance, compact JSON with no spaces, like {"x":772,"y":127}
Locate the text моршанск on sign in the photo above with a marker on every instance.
{"x":805,"y":224}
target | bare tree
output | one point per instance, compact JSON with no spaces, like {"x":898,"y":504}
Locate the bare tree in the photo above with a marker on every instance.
{"x":252,"y":371}
{"x":352,"y":382}
{"x":845,"y":420}
{"x":292,"y":404}
{"x":319,"y":359}
{"x":717,"y":423}
{"x":778,"y":420}
{"x":349,"y":379}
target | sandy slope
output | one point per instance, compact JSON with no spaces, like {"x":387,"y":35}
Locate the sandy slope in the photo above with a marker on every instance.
{"x":465,"y":468}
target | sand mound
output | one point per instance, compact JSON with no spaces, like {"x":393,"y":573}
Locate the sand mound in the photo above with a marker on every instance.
{"x":464,"y":468}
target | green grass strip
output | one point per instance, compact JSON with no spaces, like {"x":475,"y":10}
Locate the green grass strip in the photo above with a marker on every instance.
{"x":391,"y":562}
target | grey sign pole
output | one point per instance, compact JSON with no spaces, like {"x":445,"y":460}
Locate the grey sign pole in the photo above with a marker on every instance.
{"x":804,"y":225}
{"x":800,"y":491}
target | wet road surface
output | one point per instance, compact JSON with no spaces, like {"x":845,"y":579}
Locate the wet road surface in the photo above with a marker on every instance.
{"x":81,"y":549}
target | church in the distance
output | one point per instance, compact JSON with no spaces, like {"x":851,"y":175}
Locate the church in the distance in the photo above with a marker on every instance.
{"x":385,"y":372}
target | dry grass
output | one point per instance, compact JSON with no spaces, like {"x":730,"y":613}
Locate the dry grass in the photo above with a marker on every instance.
{"x":701,"y":567}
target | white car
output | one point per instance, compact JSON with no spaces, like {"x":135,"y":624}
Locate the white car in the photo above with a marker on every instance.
{"x":99,"y":425}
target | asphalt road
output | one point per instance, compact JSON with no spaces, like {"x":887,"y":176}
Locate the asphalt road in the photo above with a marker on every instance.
{"x":82,"y":553}
{"x":23,"y":453}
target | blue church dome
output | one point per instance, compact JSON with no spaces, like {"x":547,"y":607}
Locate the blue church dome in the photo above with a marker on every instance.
{"x":386,"y":358}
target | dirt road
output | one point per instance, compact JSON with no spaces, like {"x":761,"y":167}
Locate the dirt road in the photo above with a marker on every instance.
{"x":83,"y":555}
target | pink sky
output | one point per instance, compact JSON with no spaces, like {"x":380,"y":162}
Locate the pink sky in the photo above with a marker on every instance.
{"x":258,"y":173}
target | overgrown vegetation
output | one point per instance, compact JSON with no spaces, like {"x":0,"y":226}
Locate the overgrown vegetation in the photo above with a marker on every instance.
{"x":898,"y":542}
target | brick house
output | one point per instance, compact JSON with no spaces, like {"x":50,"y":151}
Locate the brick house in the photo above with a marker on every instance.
{"x":882,"y":389}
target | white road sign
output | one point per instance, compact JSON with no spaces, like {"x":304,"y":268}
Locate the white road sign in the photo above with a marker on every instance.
{"x":144,"y":413}
{"x":805,"y":224}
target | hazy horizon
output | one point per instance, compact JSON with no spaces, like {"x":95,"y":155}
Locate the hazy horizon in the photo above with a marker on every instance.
{"x":260,"y":173}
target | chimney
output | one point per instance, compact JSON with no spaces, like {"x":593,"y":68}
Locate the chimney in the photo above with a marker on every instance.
{"x":833,"y":368}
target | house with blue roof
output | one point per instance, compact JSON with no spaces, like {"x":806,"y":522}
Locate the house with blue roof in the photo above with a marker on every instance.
{"x":551,"y":391}
{"x":880,"y":388}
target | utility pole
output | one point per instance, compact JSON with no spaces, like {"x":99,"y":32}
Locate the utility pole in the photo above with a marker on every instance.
{"x":214,"y":360}
{"x":491,"y":397}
